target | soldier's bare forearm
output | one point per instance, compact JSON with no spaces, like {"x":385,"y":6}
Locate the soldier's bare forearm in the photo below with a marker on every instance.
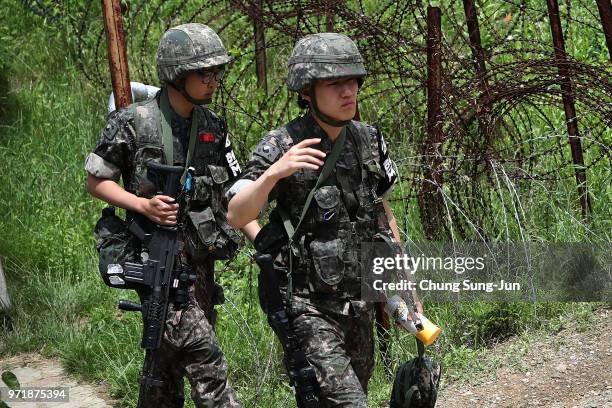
{"x":160,"y":209}
{"x":112,"y":193}
{"x":246,"y":205}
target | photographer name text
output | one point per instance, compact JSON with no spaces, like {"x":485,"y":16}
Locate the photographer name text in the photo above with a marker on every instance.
{"x":429,"y":285}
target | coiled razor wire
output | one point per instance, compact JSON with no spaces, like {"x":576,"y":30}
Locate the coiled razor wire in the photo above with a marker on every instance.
{"x":488,"y":172}
{"x":522,"y":95}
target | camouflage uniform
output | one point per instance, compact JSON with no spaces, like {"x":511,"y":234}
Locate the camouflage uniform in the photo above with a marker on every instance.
{"x":334,"y":325}
{"x":131,"y":138}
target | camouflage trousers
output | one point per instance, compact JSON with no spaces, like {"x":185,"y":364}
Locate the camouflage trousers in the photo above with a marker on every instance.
{"x":340,"y":347}
{"x":190,"y":349}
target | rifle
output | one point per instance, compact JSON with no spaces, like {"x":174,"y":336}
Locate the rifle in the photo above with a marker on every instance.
{"x":301,"y":374}
{"x":157,"y":275}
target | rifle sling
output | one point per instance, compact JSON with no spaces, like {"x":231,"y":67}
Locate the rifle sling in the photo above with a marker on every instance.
{"x":328,"y":166}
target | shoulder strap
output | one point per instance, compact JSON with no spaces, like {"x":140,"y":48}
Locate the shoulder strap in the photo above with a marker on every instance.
{"x":330,"y":162}
{"x":166,"y":117}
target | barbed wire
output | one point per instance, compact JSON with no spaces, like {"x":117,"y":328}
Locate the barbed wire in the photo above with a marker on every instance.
{"x":504,"y":136}
{"x":485,"y":113}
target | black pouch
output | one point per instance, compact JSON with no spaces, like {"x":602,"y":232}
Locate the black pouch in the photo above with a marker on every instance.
{"x":115,"y":246}
{"x":271,"y":238}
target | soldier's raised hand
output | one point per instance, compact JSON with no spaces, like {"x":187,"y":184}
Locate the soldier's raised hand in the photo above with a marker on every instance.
{"x":161,"y":210}
{"x":300,"y":156}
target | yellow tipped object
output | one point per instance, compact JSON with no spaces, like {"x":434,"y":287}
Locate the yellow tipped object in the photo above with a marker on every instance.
{"x":426,"y":331}
{"x":429,"y":333}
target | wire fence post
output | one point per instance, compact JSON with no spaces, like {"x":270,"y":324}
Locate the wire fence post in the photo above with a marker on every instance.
{"x":569,"y":106}
{"x":475,"y":43}
{"x":430,"y":194}
{"x":605,"y":13}
{"x":260,"y":44}
{"x":478,"y":60}
{"x":117,"y":55}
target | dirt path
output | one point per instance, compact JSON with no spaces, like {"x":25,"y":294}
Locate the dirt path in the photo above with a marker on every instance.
{"x":570,"y":369}
{"x":32,"y":370}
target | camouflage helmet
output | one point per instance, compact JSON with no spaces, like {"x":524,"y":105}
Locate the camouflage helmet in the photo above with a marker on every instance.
{"x":188,"y":47}
{"x":323,"y":56}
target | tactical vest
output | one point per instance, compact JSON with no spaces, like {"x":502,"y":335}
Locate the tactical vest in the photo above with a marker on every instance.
{"x":207,"y":229}
{"x":345,"y":212}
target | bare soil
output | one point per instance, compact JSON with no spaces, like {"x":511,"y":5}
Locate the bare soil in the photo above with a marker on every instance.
{"x":33,"y":370}
{"x":569,"y":369}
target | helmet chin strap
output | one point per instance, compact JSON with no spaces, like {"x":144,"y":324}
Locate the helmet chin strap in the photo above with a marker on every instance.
{"x":327,"y":119}
{"x":180,"y":86}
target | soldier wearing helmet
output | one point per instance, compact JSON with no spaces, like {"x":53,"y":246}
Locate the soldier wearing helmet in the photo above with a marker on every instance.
{"x":174,"y":128}
{"x":326,"y":218}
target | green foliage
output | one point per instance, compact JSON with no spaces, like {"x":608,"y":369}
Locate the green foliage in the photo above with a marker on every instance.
{"x":50,"y":117}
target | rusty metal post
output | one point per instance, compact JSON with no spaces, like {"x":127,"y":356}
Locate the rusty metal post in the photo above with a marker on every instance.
{"x":474,"y":35}
{"x":429,"y":196}
{"x":260,"y":44}
{"x":482,"y":109}
{"x":605,"y":12}
{"x":117,"y":55}
{"x":568,"y":105}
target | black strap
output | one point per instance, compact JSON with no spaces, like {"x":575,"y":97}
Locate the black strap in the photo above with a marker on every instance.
{"x":420,"y":347}
{"x":409,"y":395}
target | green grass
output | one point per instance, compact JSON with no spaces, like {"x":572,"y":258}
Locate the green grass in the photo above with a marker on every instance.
{"x":50,"y":119}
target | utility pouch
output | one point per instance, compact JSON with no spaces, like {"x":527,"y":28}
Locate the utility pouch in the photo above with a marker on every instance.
{"x":207,"y":188}
{"x":327,"y":199}
{"x":327,"y":259}
{"x":210,"y":236}
{"x":202,"y":186}
{"x":116,"y":246}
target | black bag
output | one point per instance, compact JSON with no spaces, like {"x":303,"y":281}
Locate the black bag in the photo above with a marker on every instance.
{"x":416,"y":382}
{"x":116,"y":246}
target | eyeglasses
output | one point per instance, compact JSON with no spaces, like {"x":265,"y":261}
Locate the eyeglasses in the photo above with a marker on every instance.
{"x":208,"y":75}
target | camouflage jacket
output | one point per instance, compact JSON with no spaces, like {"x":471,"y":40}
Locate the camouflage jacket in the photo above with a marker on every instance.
{"x":345,"y":211}
{"x":132,"y":137}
